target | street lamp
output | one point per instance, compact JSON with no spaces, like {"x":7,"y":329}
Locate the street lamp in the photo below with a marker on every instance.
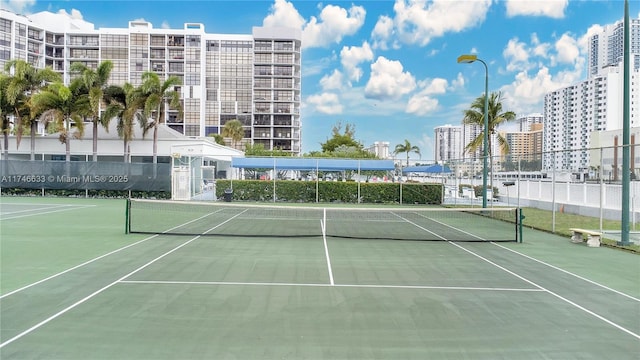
{"x":468,"y":59}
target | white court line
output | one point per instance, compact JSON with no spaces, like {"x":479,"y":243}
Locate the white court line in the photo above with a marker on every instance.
{"x":70,"y":307}
{"x":453,"y":227}
{"x":323,"y":224}
{"x":79,"y":302}
{"x":94,"y":259}
{"x":619,"y":327}
{"x":46,"y":207}
{"x":418,"y":226}
{"x":569,"y":273}
{"x":417,"y":287}
{"x":73,"y":207}
{"x":75,"y":267}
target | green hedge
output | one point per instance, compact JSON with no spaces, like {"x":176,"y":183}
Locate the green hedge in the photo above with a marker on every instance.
{"x":331,"y":191}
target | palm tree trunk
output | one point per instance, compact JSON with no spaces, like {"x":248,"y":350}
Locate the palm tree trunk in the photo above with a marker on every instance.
{"x":5,"y":133}
{"x":67,"y":149}
{"x":155,"y":143}
{"x":34,"y":129}
{"x":95,"y":140}
{"x":126,"y":151}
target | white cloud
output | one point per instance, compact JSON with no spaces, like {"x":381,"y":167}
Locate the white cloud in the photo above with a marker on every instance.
{"x":567,"y":48}
{"x":328,"y":28}
{"x":351,"y":57}
{"x":283,"y":12}
{"x":526,"y":94}
{"x":333,"y":24}
{"x":421,"y":105}
{"x":521,"y":56}
{"x":516,"y":54}
{"x":434,"y":86}
{"x":333,"y":81}
{"x":583,"y":42}
{"x":17,"y":6}
{"x":327,"y":103}
{"x":417,"y":22}
{"x":549,"y":8}
{"x":388,"y":80}
{"x":62,"y":20}
{"x":423,"y":102}
{"x":458,"y":82}
{"x":539,"y":49}
{"x":382,"y":31}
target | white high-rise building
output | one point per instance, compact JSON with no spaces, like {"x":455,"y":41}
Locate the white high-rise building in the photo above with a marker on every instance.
{"x":572,"y":113}
{"x":525,"y":122}
{"x":254,"y":78}
{"x":606,"y":48}
{"x":380,"y":149}
{"x":448,"y":144}
{"x":470,"y":132}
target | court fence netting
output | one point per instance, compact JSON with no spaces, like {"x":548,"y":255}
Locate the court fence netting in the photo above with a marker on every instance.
{"x":272,"y":221}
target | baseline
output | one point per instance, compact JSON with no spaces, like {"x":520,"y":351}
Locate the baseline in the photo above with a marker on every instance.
{"x":364,"y":286}
{"x":572,"y":303}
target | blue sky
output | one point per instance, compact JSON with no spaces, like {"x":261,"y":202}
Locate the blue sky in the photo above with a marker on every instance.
{"x":389,"y":67}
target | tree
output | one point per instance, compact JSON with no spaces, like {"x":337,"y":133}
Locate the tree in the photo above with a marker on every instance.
{"x":475,"y":116}
{"x":93,"y":84}
{"x":63,"y":108}
{"x":219,"y":139}
{"x":233,"y":129}
{"x":406,"y":148}
{"x":5,"y":112}
{"x":126,"y":104}
{"x":339,"y":138}
{"x":259,"y":150}
{"x":157,"y":94}
{"x":25,"y":81}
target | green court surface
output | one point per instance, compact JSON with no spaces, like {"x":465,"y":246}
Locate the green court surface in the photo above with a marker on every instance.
{"x":75,"y":286}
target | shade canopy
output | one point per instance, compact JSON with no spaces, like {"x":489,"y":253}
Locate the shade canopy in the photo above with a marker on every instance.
{"x":323,"y":164}
{"x":429,"y":169}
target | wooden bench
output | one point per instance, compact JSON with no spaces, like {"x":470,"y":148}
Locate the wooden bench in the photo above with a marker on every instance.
{"x":593,"y":237}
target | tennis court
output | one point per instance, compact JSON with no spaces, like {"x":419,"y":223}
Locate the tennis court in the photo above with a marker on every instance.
{"x":75,"y":286}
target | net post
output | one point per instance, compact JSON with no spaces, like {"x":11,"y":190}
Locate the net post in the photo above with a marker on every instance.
{"x":127,"y":219}
{"x":519,"y":219}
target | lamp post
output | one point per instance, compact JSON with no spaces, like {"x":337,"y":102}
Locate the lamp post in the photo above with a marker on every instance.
{"x":467,"y":59}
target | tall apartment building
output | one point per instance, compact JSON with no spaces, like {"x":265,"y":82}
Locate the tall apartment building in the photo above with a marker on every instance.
{"x":525,"y":145}
{"x":448,"y":143}
{"x":525,"y":123}
{"x":574,"y":112}
{"x":606,"y":48}
{"x":470,"y":132}
{"x":254,"y":78}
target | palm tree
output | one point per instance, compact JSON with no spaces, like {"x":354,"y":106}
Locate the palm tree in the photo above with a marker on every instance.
{"x":233,"y":129}
{"x":94,"y":83}
{"x":157,"y":93}
{"x":5,"y":112}
{"x":406,"y":148}
{"x":64,"y":107}
{"x":25,"y":81}
{"x":125,"y":103}
{"x":475,"y":116}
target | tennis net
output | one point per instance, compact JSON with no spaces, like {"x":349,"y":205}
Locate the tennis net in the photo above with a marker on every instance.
{"x":386,"y":223}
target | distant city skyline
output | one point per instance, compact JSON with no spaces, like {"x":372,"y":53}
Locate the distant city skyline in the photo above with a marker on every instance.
{"x":388,"y":67}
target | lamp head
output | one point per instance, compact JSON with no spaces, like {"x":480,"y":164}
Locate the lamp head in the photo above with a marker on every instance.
{"x":467,"y":59}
